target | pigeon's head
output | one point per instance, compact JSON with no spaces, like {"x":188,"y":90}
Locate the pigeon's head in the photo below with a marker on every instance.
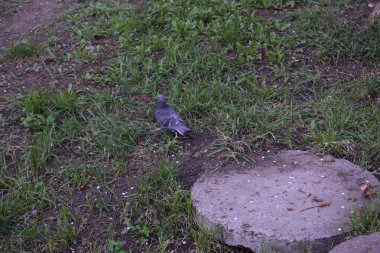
{"x":161,"y":101}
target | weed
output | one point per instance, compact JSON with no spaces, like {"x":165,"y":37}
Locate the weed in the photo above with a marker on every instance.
{"x":66,"y":102}
{"x":7,"y":214}
{"x":166,"y":144}
{"x":71,"y":129}
{"x":65,"y":230}
{"x":337,"y":40}
{"x":23,"y":50}
{"x":231,"y":149}
{"x":40,"y":151}
{"x":36,"y":102}
{"x":111,"y":136}
{"x":366,"y":220}
{"x":37,"y":122}
{"x":54,"y":41}
{"x":75,"y":175}
{"x":115,"y":246}
{"x":169,"y":214}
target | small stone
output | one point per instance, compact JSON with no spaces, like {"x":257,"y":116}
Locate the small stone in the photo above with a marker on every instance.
{"x":197,"y":154}
{"x":365,"y":243}
{"x":371,"y":5}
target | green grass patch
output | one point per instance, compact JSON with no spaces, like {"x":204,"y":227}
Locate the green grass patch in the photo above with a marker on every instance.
{"x":23,"y":50}
{"x":336,"y":39}
{"x":366,"y":220}
{"x":166,"y":217}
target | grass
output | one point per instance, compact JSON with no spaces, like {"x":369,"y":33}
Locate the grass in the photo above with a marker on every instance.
{"x":336,"y":41}
{"x":23,"y":50}
{"x":158,"y":194}
{"x":9,"y":7}
{"x":366,"y":220}
{"x":258,"y":81}
{"x":231,"y":149}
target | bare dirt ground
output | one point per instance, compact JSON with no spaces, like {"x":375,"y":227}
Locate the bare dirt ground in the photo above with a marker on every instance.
{"x":26,"y":17}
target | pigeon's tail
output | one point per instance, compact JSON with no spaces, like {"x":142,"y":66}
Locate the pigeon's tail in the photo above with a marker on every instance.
{"x":188,"y":133}
{"x":183,"y":130}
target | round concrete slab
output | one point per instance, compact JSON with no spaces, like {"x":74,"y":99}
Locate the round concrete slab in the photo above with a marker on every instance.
{"x":287,"y":201}
{"x":361,"y":244}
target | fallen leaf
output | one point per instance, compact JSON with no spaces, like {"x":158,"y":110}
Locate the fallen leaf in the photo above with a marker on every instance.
{"x":366,"y":190}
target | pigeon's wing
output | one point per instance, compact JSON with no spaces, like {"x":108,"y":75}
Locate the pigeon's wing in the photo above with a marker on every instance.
{"x":176,"y":124}
{"x":165,"y":116}
{"x":169,"y":118}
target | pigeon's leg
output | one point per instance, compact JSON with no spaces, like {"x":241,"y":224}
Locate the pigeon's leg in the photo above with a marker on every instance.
{"x":176,"y":135}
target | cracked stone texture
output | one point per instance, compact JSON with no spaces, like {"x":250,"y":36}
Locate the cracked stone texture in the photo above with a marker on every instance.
{"x":275,"y":205}
{"x":361,"y":244}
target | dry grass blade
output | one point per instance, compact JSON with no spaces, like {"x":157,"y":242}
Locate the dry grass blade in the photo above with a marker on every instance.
{"x":230,"y":149}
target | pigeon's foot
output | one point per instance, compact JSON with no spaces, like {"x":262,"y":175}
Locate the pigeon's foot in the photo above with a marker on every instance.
{"x":157,"y":129}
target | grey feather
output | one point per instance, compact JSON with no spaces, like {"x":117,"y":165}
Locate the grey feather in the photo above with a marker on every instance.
{"x":169,"y":119}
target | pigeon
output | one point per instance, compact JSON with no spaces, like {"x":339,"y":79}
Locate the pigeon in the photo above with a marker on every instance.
{"x":168,"y":118}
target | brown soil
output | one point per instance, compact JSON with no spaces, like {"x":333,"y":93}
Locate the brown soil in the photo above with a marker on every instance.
{"x":197,"y":159}
{"x":29,"y":15}
{"x":361,"y":13}
{"x":349,"y":69}
{"x":197,"y":162}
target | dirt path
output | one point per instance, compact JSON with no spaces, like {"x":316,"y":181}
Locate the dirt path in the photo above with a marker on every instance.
{"x":29,"y":15}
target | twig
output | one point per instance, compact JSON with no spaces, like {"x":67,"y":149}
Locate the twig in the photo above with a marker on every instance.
{"x":375,"y":13}
{"x":47,"y":69}
{"x":322,"y":204}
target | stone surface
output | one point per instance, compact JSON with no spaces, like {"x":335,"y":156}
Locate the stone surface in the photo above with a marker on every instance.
{"x":275,"y":203}
{"x":361,"y":244}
